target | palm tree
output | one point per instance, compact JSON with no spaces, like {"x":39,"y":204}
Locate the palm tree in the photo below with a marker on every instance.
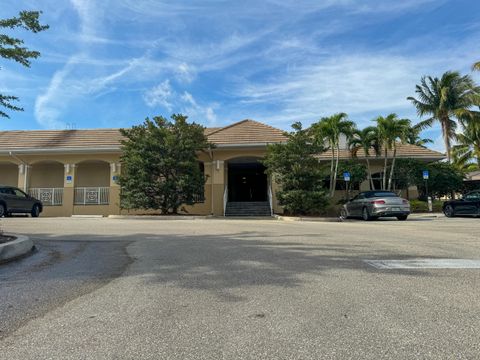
{"x":366,"y":140}
{"x":390,"y":130}
{"x":414,"y":138}
{"x":467,"y":151}
{"x":329,"y":130}
{"x":476,"y":66}
{"x":441,"y":99}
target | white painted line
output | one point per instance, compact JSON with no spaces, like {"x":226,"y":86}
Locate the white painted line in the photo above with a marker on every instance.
{"x":425,"y":264}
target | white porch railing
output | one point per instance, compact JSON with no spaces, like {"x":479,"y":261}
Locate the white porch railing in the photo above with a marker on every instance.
{"x":92,"y":195}
{"x":48,"y":196}
{"x":270,"y":199}
{"x":225,"y":200}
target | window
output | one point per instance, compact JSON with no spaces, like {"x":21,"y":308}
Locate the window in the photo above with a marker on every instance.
{"x":19,"y":193}
{"x":473,"y":196}
{"x":380,"y":194}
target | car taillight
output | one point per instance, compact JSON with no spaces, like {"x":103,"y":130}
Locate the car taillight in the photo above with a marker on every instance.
{"x":378,"y":202}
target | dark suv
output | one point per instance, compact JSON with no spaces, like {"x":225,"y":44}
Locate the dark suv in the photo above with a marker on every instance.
{"x":14,"y":200}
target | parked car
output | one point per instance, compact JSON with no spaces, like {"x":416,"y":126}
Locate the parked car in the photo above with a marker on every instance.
{"x":371,"y":205}
{"x":14,"y":200}
{"x":469,"y":204}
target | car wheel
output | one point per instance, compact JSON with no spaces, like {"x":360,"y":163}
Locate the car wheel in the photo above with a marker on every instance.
{"x":343,"y":214}
{"x":35,"y":211}
{"x":2,"y":210}
{"x":448,"y":211}
{"x":366,"y":214}
{"x":402,"y":217}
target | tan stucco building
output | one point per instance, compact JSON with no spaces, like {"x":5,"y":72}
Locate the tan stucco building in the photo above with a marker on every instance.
{"x":74,"y":172}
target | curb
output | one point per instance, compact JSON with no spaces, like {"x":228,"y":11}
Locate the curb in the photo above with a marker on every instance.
{"x":159,"y":217}
{"x":19,"y":247}
{"x":311,"y":219}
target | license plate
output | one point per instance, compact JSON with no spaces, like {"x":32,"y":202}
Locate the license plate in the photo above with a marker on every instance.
{"x":396,"y":209}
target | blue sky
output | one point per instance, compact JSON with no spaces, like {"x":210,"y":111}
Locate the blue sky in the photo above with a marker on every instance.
{"x":111,"y":63}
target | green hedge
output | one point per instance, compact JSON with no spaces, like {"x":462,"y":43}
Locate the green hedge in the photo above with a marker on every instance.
{"x":417,"y":206}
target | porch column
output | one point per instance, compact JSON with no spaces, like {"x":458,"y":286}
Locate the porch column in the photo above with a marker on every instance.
{"x":114,"y":197}
{"x":218,"y":186}
{"x":23,"y":176}
{"x":69,"y":188}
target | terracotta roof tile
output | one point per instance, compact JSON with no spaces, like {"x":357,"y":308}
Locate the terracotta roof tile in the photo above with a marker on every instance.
{"x":247,"y":132}
{"x":403,"y":151}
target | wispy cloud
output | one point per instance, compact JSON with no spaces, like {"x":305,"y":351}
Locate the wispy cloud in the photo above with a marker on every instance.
{"x":160,"y":95}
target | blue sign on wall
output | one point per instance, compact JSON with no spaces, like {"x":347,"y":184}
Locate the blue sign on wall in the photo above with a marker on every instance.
{"x":115,"y":178}
{"x":346,"y":176}
{"x":426,"y":174}
{"x":69,"y":179}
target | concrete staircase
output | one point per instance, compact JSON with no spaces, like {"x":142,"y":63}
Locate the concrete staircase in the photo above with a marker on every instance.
{"x":248,"y":208}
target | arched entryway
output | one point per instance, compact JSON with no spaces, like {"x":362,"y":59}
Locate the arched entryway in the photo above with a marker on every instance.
{"x":247,"y":188}
{"x":247,"y":180}
{"x":8,"y":174}
{"x":92,"y":183}
{"x":46,"y":182}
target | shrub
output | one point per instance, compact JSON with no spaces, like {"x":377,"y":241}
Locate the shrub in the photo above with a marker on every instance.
{"x":418,"y":206}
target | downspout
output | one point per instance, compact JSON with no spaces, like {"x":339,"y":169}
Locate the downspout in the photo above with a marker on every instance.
{"x":210,"y":152}
{"x":25,"y":169}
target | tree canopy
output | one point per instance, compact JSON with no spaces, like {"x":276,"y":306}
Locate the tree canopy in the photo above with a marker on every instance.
{"x":12,"y":48}
{"x":298,"y":172}
{"x":160,"y":170}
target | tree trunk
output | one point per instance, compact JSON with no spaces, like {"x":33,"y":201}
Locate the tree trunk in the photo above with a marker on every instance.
{"x":384,"y":177}
{"x":446,"y":139}
{"x":370,"y":180}
{"x":335,"y":172}
{"x":392,"y":168}
{"x":331,"y":169}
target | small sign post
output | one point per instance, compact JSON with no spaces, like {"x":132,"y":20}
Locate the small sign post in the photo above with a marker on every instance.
{"x":426,"y":176}
{"x":346,"y":177}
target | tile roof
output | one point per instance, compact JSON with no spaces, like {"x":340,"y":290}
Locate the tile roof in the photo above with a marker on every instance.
{"x":246,"y":132}
{"x":403,"y":151}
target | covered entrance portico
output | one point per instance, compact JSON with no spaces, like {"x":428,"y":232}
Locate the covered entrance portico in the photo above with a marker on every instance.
{"x":248,"y":191}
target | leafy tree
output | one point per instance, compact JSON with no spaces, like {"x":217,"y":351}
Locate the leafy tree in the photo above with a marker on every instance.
{"x":476,"y":66}
{"x":366,"y":140}
{"x":442,"y":99}
{"x":358,"y":173}
{"x":406,"y":173}
{"x":390,"y":130}
{"x":12,"y":48}
{"x":160,"y":170}
{"x":295,"y":168}
{"x":329,"y":130}
{"x":444,"y":179}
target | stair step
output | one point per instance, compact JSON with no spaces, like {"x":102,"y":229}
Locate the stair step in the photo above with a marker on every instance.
{"x":248,"y":208}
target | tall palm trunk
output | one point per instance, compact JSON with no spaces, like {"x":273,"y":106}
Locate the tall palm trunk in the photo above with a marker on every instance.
{"x":446,"y":139}
{"x":331,"y":169}
{"x":370,"y":179}
{"x":392,"y":168}
{"x":384,"y":178}
{"x":334,"y":182}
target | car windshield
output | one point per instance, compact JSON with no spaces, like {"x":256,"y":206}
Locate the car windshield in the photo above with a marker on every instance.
{"x":380,"y":194}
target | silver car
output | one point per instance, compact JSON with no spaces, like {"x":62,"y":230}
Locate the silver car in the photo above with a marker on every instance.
{"x":371,"y":205}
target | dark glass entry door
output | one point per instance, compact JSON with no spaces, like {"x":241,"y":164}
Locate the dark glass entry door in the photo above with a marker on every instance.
{"x":247,"y":182}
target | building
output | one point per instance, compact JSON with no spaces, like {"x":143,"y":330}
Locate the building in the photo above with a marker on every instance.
{"x":74,"y":172}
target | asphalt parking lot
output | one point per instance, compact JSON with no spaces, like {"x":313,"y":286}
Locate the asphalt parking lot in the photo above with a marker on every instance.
{"x":242,"y":289}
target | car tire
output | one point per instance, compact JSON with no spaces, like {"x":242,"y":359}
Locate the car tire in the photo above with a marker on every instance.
{"x":35,"y":211}
{"x":448,"y":211}
{"x":3,"y":211}
{"x":402,"y":217}
{"x":343,"y":214}
{"x":366,"y":214}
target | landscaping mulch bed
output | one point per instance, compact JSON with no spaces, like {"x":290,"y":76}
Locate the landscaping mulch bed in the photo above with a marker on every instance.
{"x":4,"y":238}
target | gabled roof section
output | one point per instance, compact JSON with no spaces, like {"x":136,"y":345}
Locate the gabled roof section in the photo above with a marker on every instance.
{"x":246,"y":132}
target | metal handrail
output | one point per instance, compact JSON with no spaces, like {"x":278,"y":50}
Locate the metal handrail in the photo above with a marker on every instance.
{"x":225,"y":200}
{"x":48,"y":196}
{"x":92,"y":195}
{"x":270,"y":199}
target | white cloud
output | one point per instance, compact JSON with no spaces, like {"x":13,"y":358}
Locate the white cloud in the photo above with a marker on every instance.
{"x":160,"y":95}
